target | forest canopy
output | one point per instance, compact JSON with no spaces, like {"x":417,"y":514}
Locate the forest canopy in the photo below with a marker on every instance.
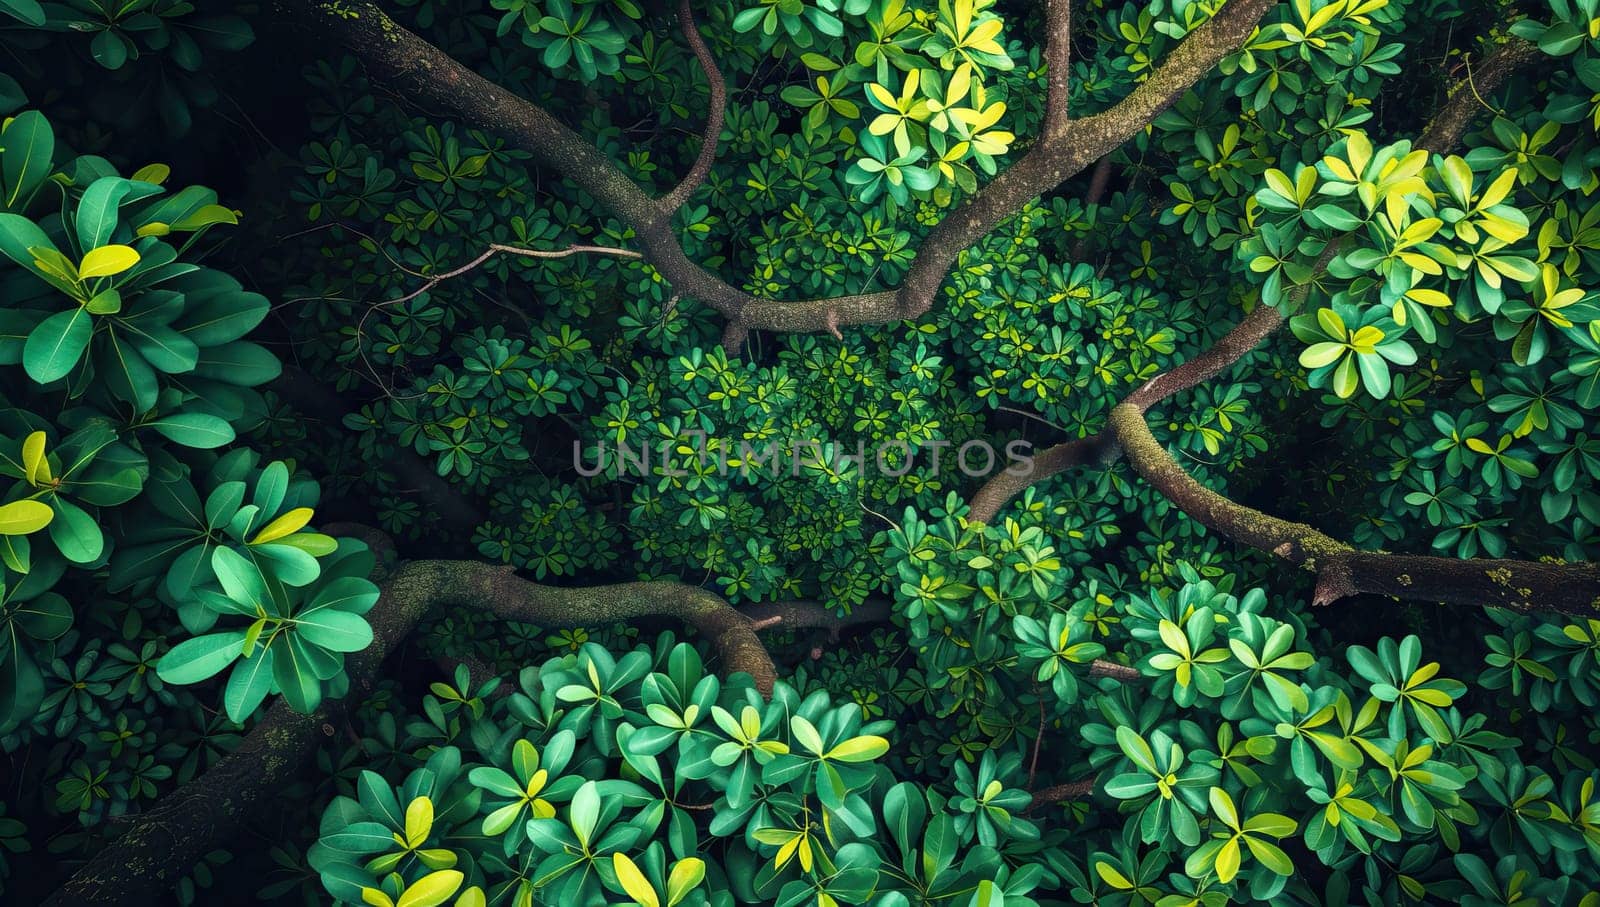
{"x":880,"y":452}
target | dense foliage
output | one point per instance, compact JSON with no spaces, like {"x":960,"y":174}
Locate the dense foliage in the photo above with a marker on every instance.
{"x":1071,"y":691}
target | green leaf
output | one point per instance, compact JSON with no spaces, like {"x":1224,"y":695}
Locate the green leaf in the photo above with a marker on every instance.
{"x":248,"y":685}
{"x":585,"y":812}
{"x":805,"y":734}
{"x":194,"y":660}
{"x":75,"y":533}
{"x":29,"y":12}
{"x":298,"y":682}
{"x":241,"y":580}
{"x":97,"y":211}
{"x":57,"y":344}
{"x":338,"y":631}
{"x":29,"y":145}
{"x":201,"y":431}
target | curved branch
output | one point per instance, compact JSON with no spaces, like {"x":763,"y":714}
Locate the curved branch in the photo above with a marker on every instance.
{"x":1441,"y":135}
{"x":430,"y":75}
{"x":1342,"y":570}
{"x":168,"y":839}
{"x":494,"y":249}
{"x":1104,"y":446}
{"x":1005,"y":485}
{"x":501,"y":592}
{"x":1465,"y":98}
{"x":1056,"y":157}
{"x":717,"y":109}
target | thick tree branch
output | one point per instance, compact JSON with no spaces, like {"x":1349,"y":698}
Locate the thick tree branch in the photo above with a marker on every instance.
{"x":714,"y":113}
{"x":169,"y":838}
{"x":1441,"y":135}
{"x":1005,"y":485}
{"x":1466,"y":97}
{"x":1055,"y":158}
{"x":809,"y":615}
{"x":1101,"y":667}
{"x":1253,"y":328}
{"x":431,"y":76}
{"x":1342,"y":570}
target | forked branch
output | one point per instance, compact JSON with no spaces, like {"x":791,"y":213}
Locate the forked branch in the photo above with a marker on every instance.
{"x":1065,"y":148}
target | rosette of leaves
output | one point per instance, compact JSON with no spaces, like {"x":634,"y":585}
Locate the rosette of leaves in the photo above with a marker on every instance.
{"x":296,"y":637}
{"x":110,"y":309}
{"x":1351,"y":349}
{"x":572,"y":34}
{"x":383,"y":835}
{"x":1169,"y":790}
{"x":1059,"y":647}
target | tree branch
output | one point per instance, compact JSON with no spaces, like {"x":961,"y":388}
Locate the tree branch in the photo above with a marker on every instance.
{"x":1342,"y":570}
{"x":1104,"y":445}
{"x":1058,"y":62}
{"x":1005,"y":485}
{"x":495,"y":249}
{"x":430,"y":75}
{"x":1509,"y":583}
{"x":1465,"y":97}
{"x":1060,"y":793}
{"x":715,"y":112}
{"x":1441,"y":135}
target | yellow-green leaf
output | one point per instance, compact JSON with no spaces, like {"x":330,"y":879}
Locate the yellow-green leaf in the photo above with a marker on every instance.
{"x":1228,"y":861}
{"x":285,"y":525}
{"x":686,"y":874}
{"x":250,"y":636}
{"x":107,"y":261}
{"x":152,"y":173}
{"x":419,"y":821}
{"x":633,"y":881}
{"x":1111,"y":876}
{"x":35,"y":465}
{"x":434,"y":888}
{"x":24,"y":517}
{"x":859,"y":749}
